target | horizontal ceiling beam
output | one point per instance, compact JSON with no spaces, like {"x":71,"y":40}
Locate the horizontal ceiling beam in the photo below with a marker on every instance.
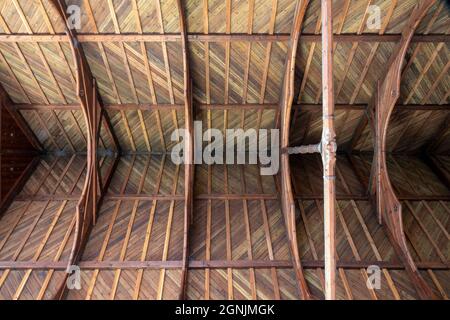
{"x":200,"y":37}
{"x":222,"y":197}
{"x":249,"y":106}
{"x":213,"y":264}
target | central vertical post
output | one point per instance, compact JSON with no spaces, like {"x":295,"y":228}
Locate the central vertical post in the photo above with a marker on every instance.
{"x":328,"y":151}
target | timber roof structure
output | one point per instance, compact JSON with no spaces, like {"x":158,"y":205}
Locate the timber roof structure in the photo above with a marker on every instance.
{"x":87,"y":116}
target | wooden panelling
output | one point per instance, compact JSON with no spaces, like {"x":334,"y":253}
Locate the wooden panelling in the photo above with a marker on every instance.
{"x":151,"y":72}
{"x":150,"y":232}
{"x":238,"y":243}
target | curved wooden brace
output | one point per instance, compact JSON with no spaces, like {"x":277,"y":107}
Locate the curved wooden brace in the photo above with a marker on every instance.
{"x":87,"y":207}
{"x":388,"y":206}
{"x":287,"y":198}
{"x":189,"y":151}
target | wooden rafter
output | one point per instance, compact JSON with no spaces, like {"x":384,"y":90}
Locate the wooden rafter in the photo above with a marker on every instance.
{"x":17,"y":116}
{"x":131,"y":81}
{"x":167,"y":64}
{"x":49,"y":230}
{"x":250,"y":18}
{"x":427,"y":31}
{"x":424,"y":230}
{"x":355,"y":44}
{"x":388,"y":206}
{"x":268,"y":53}
{"x":309,"y":60}
{"x":66,"y":62}
{"x":286,"y":196}
{"x":101,"y":46}
{"x":49,"y":72}
{"x":33,"y":225}
{"x":373,"y":51}
{"x":109,"y":231}
{"x":229,"y":249}
{"x":344,"y":14}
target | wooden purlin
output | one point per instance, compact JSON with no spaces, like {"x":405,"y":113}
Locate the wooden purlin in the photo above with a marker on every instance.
{"x":212,"y":264}
{"x":86,"y":212}
{"x":217,"y":37}
{"x":188,"y":150}
{"x":286,"y":196}
{"x":228,"y":197}
{"x":230,"y":106}
{"x":388,"y":206}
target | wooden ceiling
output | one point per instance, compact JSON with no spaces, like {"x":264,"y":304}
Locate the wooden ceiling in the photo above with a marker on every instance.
{"x":237,"y":53}
{"x":237,"y":50}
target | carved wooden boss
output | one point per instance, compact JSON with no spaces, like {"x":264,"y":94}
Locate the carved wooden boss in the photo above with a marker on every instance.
{"x":287,"y":197}
{"x":388,"y":206}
